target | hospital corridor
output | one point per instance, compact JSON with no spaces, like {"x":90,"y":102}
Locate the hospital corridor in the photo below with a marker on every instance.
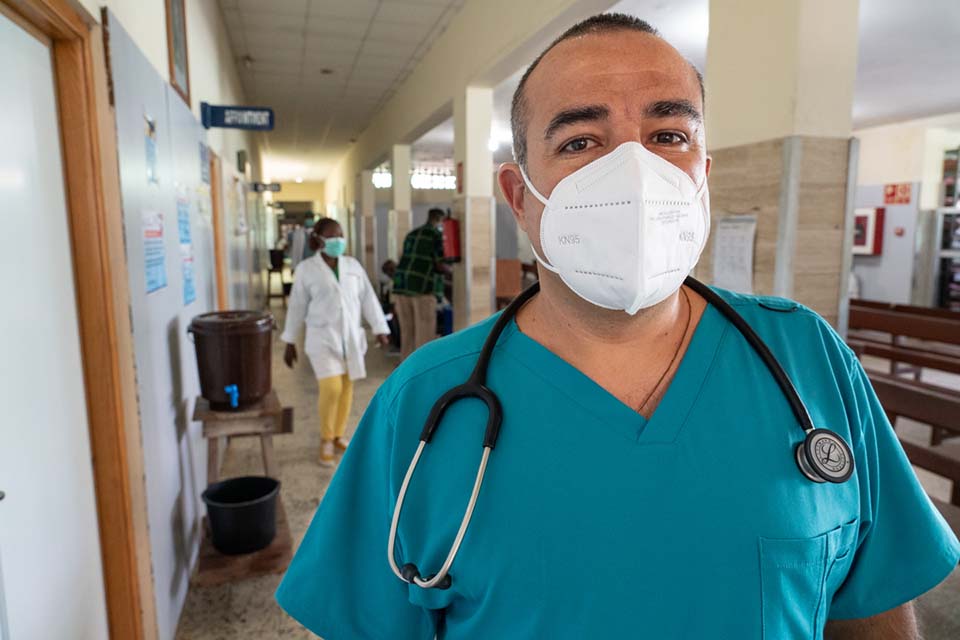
{"x":480,"y":319}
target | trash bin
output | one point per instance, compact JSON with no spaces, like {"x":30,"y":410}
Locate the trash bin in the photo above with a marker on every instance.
{"x":233,"y":357}
{"x":242,"y":513}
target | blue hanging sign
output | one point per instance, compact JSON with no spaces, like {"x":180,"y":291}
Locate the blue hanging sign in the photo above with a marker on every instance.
{"x":260,"y":187}
{"x":259,"y":118}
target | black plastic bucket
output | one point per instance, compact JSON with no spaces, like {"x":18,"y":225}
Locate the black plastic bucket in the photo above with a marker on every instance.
{"x":242,"y":513}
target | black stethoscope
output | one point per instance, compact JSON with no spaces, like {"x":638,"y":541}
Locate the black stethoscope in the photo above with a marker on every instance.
{"x":823,"y":456}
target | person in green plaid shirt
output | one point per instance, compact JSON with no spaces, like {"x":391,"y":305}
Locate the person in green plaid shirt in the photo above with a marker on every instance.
{"x":418,"y":284}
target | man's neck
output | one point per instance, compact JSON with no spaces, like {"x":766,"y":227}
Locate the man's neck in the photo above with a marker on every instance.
{"x":560,"y":315}
{"x":633,"y":357}
{"x":331,"y":262}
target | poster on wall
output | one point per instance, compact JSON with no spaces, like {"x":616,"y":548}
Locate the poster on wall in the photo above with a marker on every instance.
{"x":150,"y":141}
{"x":241,"y":207}
{"x":733,"y":253}
{"x":868,"y":231}
{"x":154,"y":254}
{"x":204,"y":163}
{"x":186,"y":250}
{"x":897,"y":193}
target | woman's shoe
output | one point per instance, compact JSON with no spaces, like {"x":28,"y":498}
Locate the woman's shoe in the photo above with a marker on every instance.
{"x":327,"y":453}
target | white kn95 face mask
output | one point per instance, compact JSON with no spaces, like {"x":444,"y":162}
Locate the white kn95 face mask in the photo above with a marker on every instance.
{"x":625,"y":230}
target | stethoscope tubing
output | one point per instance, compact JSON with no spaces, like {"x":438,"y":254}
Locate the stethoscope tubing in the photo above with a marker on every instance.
{"x":475,"y":387}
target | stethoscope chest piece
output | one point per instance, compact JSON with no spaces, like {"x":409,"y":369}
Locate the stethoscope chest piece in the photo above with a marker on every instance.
{"x":824,"y":456}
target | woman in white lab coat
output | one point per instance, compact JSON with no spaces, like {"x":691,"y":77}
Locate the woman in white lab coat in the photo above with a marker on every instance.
{"x":330,"y":293}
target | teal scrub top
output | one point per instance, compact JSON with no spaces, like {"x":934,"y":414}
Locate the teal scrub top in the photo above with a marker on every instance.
{"x":594,"y":522}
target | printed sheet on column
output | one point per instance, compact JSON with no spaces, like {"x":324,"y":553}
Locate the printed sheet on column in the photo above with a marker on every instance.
{"x":733,"y":253}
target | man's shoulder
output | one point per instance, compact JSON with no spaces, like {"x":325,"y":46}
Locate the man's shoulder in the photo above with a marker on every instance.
{"x":425,"y":230}
{"x":444,"y":360}
{"x":788,"y":322}
{"x":767,"y":308}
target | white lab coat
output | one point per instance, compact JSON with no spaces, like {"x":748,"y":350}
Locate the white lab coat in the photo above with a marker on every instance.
{"x":332,"y":310}
{"x":297,"y":242}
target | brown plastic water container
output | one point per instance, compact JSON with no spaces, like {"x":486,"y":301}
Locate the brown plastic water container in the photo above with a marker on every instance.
{"x":233,"y":357}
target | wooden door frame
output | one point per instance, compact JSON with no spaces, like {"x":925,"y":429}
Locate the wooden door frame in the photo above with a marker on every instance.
{"x":92,"y":185}
{"x":219,"y":249}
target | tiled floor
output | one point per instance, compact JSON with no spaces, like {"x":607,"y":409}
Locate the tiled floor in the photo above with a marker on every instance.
{"x":247,"y":609}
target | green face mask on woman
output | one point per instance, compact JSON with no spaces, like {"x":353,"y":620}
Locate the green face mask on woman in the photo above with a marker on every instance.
{"x":334,"y":247}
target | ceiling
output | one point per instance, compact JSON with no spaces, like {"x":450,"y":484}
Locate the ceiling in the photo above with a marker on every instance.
{"x":906,"y":45}
{"x":326,"y":67}
{"x":908,"y":65}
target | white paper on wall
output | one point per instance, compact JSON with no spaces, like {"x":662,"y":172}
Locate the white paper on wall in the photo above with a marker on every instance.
{"x":733,"y":253}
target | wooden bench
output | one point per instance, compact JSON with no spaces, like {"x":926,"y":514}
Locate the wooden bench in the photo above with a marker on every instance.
{"x":932,"y":406}
{"x":910,"y":338}
{"x":904,"y":333}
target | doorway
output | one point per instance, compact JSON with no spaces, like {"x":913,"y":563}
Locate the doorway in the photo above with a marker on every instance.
{"x":72,"y":516}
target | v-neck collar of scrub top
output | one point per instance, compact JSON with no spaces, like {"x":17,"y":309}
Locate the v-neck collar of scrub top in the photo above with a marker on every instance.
{"x":668,"y":418}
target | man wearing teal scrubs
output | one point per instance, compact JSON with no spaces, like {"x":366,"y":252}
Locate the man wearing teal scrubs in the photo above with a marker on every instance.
{"x":644,"y":483}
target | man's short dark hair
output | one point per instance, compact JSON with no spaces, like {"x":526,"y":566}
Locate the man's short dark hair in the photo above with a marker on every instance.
{"x":435,"y":215}
{"x":601,"y":23}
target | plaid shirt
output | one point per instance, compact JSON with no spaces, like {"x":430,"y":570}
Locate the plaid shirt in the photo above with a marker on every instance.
{"x":416,"y":274}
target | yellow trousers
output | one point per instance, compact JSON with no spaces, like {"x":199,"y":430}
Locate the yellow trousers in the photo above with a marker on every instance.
{"x":335,"y":397}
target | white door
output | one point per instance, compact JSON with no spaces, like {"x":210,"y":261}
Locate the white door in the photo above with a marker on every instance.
{"x":51,"y":585}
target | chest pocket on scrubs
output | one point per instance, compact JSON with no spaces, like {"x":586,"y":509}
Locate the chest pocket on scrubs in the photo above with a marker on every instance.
{"x":798,"y":579}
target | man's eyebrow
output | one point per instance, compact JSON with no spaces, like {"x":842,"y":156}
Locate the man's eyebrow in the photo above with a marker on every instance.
{"x":673,"y":109}
{"x":587,"y":113}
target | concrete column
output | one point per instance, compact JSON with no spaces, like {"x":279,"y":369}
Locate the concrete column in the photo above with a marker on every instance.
{"x":780,"y":84}
{"x":474,"y":206}
{"x":368,"y":200}
{"x":401,"y":211}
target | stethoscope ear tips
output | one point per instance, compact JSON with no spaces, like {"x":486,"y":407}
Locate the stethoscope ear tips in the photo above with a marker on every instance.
{"x":410,"y":573}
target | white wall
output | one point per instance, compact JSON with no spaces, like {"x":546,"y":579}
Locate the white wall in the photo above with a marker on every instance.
{"x":891,"y":153}
{"x":174,"y":450}
{"x":776,"y":69}
{"x":213,"y":73}
{"x":910,"y":151}
{"x":888,"y":277}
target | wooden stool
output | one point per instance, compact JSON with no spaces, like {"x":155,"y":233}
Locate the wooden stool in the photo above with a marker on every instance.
{"x":263,"y":420}
{"x":270,"y":294}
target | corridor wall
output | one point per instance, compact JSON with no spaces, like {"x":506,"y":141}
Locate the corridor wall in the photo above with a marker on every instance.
{"x":169,"y":245}
{"x":888,"y":277}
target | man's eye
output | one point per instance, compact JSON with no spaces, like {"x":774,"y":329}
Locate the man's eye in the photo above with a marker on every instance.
{"x":579,"y":144}
{"x":669,"y":137}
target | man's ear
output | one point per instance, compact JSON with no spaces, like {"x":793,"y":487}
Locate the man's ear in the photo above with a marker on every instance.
{"x":709,"y":164}
{"x":513,"y":188}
